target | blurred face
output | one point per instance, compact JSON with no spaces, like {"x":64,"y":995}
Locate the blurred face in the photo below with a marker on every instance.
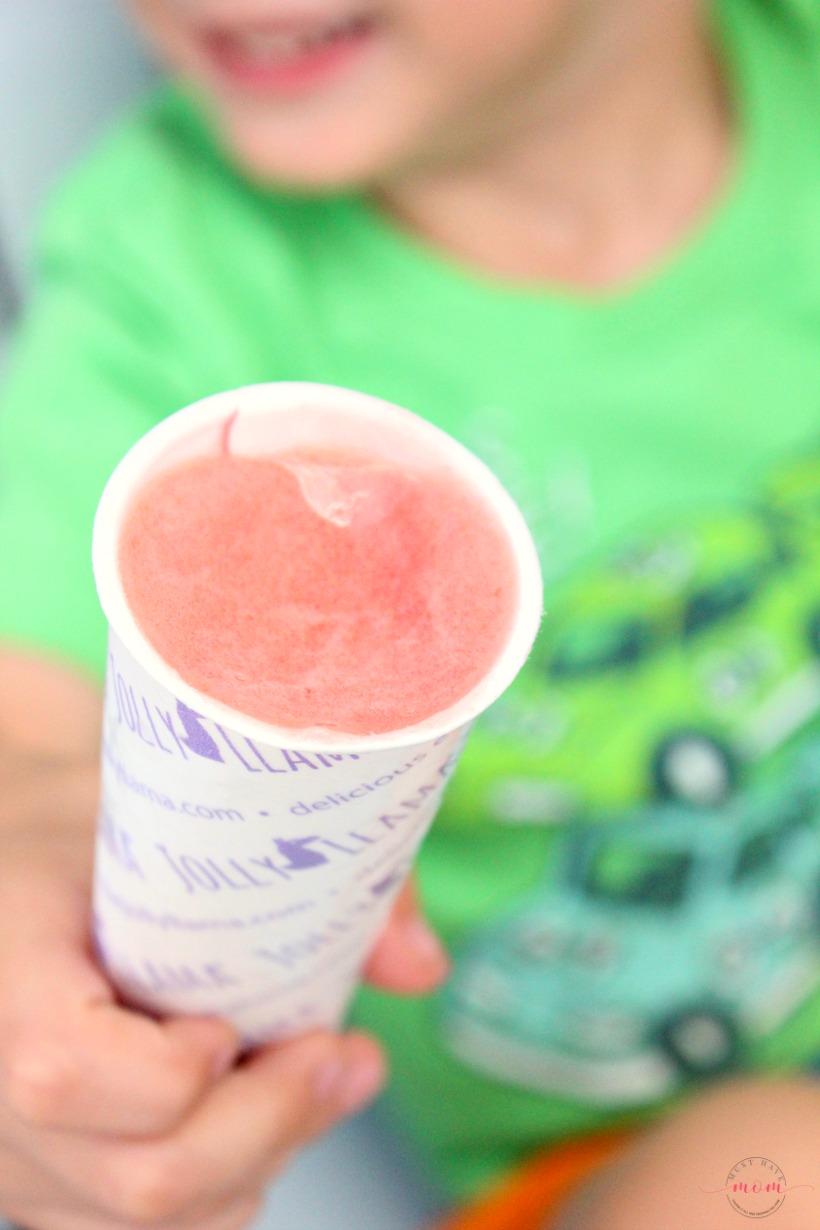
{"x":328,"y":93}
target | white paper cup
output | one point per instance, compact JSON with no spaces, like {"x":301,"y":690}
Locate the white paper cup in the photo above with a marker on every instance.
{"x":244,"y":869}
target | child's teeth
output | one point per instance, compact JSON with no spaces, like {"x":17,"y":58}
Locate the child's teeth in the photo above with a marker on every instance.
{"x":274,"y":45}
{"x":264,"y":46}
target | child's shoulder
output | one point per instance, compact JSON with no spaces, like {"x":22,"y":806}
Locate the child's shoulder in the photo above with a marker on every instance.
{"x":787,"y":33}
{"x":157,"y":181}
{"x":132,"y":166}
{"x":781,"y":36}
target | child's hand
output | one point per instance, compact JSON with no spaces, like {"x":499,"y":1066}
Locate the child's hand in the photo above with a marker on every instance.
{"x":109,"y":1119}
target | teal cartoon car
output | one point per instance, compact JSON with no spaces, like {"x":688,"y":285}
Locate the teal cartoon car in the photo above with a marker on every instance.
{"x":663,"y":944}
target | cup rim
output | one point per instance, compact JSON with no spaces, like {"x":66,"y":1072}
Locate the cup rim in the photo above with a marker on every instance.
{"x":282,"y":398}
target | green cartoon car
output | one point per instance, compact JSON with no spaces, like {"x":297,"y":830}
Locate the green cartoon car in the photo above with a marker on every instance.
{"x":672,"y":673}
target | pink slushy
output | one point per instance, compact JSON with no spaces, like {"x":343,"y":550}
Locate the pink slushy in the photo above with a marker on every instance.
{"x":320,"y":588}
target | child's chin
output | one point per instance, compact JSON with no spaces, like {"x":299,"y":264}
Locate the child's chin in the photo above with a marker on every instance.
{"x":302,"y":177}
{"x":325,"y":161}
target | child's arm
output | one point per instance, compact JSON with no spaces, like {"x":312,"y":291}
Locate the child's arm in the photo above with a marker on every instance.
{"x":107,"y":1116}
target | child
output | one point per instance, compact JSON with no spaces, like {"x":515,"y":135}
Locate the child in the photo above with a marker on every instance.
{"x":584,"y":238}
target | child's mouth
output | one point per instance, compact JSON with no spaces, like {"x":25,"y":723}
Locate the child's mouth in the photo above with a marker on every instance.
{"x":287,"y":57}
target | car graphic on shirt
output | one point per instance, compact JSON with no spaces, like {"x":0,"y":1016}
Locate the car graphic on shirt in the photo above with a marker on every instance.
{"x":662,"y":944}
{"x":791,"y":500}
{"x":668,"y":673}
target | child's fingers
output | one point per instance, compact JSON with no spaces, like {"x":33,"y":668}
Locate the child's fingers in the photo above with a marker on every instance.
{"x":408,"y":956}
{"x":239,"y":1136}
{"x":33,"y":1196}
{"x":278,"y":1100}
{"x":70,"y":1056}
{"x":234,"y":1215}
{"x":107,"y":1070}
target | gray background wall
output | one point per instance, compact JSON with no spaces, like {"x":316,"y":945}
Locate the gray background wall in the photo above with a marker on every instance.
{"x":66,"y":68}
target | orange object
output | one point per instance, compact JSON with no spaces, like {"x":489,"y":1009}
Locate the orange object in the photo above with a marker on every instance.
{"x":525,"y":1199}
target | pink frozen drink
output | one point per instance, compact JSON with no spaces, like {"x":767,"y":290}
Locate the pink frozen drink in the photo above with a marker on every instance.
{"x":319,"y":587}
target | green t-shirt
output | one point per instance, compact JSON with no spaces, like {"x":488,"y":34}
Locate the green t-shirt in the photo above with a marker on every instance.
{"x":624,"y":868}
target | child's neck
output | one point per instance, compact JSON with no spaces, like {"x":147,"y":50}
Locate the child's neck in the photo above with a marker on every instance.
{"x":600,"y":191}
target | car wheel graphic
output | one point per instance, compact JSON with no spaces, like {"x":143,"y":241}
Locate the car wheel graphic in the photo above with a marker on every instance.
{"x":702,"y":1041}
{"x":692,"y":767}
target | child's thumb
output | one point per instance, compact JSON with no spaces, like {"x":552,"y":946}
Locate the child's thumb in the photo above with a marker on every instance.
{"x":408,"y":956}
